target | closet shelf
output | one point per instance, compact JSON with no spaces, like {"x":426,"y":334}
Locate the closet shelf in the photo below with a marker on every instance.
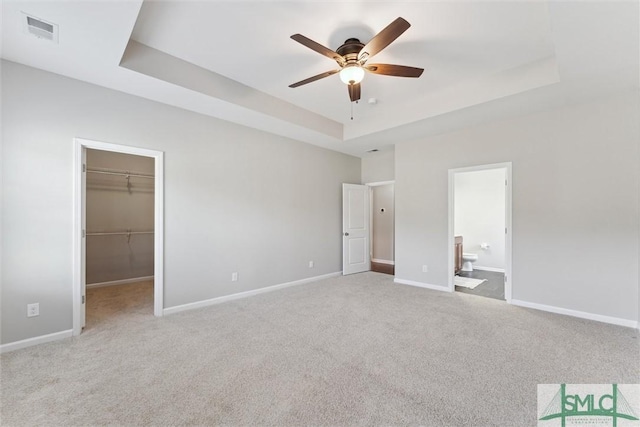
{"x":120,"y":173}
{"x":118,"y":233}
{"x":127,"y":233}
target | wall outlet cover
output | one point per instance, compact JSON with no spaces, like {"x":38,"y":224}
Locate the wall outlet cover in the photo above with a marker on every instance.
{"x":33,"y":309}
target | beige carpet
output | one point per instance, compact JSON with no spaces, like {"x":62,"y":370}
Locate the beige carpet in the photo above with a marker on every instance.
{"x":115,"y":304}
{"x":357,"y":350}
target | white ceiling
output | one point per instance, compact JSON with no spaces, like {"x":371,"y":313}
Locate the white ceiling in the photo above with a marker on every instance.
{"x":234,"y":59}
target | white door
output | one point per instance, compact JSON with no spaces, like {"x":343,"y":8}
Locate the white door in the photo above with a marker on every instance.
{"x":355,"y":229}
{"x":83,"y":249}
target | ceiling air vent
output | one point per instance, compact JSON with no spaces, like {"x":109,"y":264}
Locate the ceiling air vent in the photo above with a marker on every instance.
{"x":41,"y":29}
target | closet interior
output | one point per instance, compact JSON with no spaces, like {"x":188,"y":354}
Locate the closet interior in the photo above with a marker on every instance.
{"x":119,"y":234}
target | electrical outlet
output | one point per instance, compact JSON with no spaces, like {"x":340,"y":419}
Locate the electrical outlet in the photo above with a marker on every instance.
{"x":33,"y":309}
{"x":425,"y":269}
{"x":234,"y":277}
{"x":310,"y":264}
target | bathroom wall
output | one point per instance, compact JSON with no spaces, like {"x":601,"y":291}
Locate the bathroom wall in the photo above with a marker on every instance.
{"x":111,"y":206}
{"x":479,"y":211}
{"x":383,"y":222}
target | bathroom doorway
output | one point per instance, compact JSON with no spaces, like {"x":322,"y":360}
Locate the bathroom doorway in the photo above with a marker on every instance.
{"x":479,"y":230}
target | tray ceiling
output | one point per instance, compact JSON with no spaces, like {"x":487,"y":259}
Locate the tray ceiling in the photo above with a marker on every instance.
{"x":235,"y":60}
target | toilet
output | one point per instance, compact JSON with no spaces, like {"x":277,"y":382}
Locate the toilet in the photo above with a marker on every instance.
{"x":467,"y":261}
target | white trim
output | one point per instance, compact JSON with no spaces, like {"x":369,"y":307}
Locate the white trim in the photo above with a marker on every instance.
{"x":379,"y":183}
{"x":383,"y":261}
{"x":495,"y":270}
{"x":218,"y":300}
{"x":575,"y":313}
{"x":78,"y":272}
{"x":158,"y":296}
{"x":422,"y":285}
{"x":119,"y":282}
{"x":508,"y":223}
{"x":29,"y":342}
{"x":508,"y":244}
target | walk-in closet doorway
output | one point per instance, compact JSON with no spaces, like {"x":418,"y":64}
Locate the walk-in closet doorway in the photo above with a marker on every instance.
{"x":119,"y":224}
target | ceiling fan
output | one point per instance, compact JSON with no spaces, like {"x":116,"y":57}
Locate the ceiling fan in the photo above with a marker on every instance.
{"x":353,"y":55}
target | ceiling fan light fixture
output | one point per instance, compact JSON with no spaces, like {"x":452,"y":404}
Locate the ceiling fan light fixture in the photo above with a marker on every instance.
{"x":352,"y":74}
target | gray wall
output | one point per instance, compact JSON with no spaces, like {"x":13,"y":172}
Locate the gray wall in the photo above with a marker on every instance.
{"x":575,"y":203}
{"x":383,"y":222}
{"x":112,"y":206}
{"x":236,"y":199}
{"x":378,"y":167}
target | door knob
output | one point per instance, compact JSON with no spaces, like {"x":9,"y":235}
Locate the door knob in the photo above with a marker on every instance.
{"x":346,"y":234}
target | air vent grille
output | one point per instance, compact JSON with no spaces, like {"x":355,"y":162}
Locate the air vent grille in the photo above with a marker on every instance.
{"x":40,"y":28}
{"x":40,"y":24}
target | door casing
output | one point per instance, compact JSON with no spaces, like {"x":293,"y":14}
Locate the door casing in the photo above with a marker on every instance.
{"x":79,"y":224}
{"x":508,"y":213}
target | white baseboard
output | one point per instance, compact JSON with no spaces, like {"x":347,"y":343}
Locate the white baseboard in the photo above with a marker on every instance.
{"x":119,"y":282}
{"x":383,"y":261}
{"x":4,"y":348}
{"x":422,"y":285}
{"x":218,"y":300}
{"x":495,"y":270}
{"x":576,"y":313}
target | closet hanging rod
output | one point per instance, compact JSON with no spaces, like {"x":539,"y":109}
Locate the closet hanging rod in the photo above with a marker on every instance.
{"x":139,"y":175}
{"x":120,"y":233}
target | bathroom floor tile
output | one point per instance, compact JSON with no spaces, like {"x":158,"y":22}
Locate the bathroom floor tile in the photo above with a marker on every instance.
{"x":492,"y":288}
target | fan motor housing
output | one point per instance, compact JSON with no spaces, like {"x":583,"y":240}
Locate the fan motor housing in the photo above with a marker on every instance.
{"x":350,"y":49}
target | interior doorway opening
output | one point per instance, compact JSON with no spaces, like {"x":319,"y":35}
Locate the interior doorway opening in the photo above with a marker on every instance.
{"x":119,"y":260}
{"x":480,"y":230}
{"x":383,"y":227}
{"x":119,"y":223}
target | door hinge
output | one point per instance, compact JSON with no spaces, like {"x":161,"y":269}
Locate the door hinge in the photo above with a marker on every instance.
{"x":84,"y":167}
{"x":505,"y":278}
{"x":83,"y":299}
{"x":505,"y":230}
{"x":84,"y":234}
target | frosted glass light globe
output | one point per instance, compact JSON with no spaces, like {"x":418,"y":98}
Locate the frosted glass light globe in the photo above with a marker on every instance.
{"x":352,"y":74}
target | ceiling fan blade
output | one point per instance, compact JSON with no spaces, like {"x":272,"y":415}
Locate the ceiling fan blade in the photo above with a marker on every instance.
{"x":314,"y":78}
{"x":354,"y":92}
{"x":319,"y":48}
{"x":394,"y":70}
{"x":383,"y":39}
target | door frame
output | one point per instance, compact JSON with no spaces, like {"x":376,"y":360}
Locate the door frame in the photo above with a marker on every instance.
{"x":79,"y":247}
{"x":508,"y":284}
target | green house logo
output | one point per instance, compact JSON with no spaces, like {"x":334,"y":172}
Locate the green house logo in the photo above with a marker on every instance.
{"x":590,"y":404}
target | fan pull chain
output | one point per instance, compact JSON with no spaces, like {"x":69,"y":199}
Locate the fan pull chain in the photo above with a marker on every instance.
{"x":354,"y":102}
